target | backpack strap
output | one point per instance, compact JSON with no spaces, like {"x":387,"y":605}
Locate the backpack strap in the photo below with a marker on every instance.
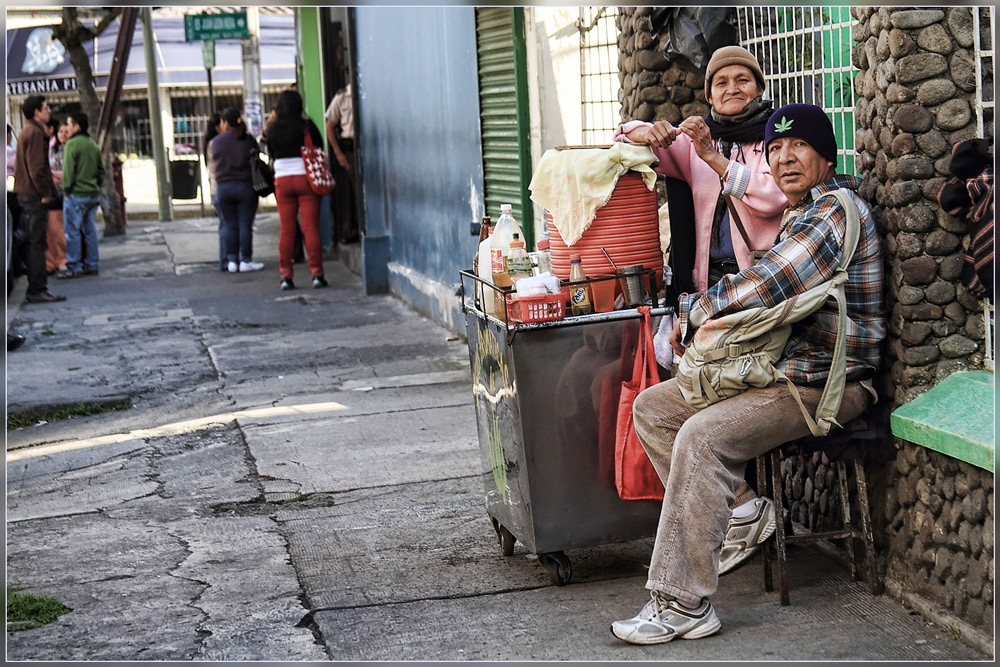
{"x":833,"y":390}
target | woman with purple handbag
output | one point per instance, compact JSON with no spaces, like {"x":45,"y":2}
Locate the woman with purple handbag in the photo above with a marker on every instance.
{"x":296,"y":175}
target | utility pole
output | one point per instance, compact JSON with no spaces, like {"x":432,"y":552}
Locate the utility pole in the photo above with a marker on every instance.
{"x":156,"y":117}
{"x":253,"y":99}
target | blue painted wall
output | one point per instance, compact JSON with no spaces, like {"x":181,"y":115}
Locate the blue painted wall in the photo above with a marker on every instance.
{"x":420,"y":138}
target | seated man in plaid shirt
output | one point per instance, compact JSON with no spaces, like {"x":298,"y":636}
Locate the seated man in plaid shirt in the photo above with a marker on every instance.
{"x":701,"y":454}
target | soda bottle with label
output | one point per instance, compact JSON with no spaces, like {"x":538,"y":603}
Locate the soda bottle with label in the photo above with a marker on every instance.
{"x":579,"y":292}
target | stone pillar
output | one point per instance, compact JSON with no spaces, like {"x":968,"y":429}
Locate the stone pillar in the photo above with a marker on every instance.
{"x":651,"y":87}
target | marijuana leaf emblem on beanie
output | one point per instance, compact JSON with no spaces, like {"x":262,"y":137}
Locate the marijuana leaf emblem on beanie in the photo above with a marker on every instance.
{"x":784,"y":125}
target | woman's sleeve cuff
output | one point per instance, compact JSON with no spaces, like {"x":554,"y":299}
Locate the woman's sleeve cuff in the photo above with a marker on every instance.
{"x":739,"y":179}
{"x":622,"y":133}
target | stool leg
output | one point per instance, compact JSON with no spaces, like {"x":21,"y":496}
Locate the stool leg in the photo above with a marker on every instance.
{"x":845,"y":512}
{"x":779,"y":532}
{"x":866,"y":527}
{"x":762,"y":490}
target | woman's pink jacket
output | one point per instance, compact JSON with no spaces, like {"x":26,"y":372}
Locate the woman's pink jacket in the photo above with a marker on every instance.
{"x":755,"y":195}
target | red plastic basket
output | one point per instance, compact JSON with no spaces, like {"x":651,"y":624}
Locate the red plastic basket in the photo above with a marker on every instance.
{"x":541,"y":308}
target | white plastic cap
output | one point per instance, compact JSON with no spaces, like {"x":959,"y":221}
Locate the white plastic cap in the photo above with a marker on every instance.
{"x":505,"y":208}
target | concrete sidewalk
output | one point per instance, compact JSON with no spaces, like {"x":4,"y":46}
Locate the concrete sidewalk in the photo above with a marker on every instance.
{"x":298,"y":477}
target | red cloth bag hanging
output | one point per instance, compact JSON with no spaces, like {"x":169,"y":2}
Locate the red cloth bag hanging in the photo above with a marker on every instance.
{"x":320,"y":179}
{"x":635,"y":477}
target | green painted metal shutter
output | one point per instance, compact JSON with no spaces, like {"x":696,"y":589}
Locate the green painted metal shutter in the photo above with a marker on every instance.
{"x":503,"y":102}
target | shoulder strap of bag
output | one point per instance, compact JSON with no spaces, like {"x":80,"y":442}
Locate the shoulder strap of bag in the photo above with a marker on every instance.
{"x":645,"y":353}
{"x":739,"y":223}
{"x":833,"y":390}
{"x":309,"y":142}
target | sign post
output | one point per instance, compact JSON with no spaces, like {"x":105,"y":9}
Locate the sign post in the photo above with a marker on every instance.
{"x":208,"y":54}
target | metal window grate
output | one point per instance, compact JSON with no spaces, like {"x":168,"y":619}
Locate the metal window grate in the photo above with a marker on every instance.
{"x":599,"y":82}
{"x":983,"y":24}
{"x":805,"y":53}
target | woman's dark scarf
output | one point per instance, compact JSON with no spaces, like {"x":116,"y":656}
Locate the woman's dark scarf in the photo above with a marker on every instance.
{"x":745,"y":127}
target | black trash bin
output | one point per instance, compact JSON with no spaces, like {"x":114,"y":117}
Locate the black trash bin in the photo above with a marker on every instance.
{"x":185,"y":177}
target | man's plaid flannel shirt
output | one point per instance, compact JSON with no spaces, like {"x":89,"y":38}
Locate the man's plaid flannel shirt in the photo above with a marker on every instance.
{"x":806,"y":253}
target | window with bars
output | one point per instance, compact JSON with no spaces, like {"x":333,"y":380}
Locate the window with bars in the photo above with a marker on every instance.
{"x":599,"y":82}
{"x":805,"y":53}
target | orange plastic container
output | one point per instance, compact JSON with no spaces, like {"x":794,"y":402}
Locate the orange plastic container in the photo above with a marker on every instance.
{"x":627,"y":227}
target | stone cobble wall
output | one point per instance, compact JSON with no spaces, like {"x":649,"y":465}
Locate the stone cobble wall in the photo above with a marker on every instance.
{"x":651,"y":87}
{"x":940,"y":526}
{"x":915,"y":90}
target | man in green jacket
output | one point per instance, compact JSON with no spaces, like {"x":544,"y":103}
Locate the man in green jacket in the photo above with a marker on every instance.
{"x":83,"y":171}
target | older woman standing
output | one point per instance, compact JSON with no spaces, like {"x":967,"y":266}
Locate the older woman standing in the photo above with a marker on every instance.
{"x":234,"y":188}
{"x":718,"y":155}
{"x":722,"y":158}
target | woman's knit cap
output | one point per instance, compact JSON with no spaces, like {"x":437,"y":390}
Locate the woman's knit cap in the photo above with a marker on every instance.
{"x":731,"y":55}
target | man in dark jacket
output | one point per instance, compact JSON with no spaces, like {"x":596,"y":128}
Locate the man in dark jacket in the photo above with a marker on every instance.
{"x":34,"y":187}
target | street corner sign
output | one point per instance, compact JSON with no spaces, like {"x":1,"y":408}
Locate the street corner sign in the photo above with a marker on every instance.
{"x":232,"y":25}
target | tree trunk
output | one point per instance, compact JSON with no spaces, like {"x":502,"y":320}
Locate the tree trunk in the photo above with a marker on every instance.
{"x":73,"y":34}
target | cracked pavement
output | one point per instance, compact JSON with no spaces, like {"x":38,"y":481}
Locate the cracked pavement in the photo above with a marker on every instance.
{"x":298,"y":478}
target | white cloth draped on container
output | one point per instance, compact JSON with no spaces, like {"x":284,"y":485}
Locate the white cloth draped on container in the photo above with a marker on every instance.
{"x":573,"y":184}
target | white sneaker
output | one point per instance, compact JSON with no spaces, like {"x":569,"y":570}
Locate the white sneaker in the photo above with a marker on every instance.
{"x":250,"y":266}
{"x":664,"y":619}
{"x":744,"y":536}
{"x":233,"y":267}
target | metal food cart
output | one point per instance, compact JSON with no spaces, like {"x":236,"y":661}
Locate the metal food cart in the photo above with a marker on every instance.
{"x":547,"y":460}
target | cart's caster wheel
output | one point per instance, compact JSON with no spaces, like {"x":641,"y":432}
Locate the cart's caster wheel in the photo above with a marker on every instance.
{"x":505,"y":538}
{"x":558,"y":566}
{"x":507,"y":541}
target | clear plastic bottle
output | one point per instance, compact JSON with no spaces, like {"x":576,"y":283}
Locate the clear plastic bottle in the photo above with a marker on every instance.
{"x":503,"y":234}
{"x":518,"y":262}
{"x":485,"y":272}
{"x":579,"y":292}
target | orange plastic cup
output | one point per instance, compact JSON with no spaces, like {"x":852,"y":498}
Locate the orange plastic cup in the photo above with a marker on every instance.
{"x":603,"y":293}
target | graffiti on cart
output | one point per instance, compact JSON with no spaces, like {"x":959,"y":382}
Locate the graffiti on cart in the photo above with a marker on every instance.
{"x":492,"y":390}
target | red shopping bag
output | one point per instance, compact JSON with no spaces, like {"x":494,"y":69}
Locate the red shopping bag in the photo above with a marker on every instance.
{"x":635,"y":477}
{"x":320,"y":179}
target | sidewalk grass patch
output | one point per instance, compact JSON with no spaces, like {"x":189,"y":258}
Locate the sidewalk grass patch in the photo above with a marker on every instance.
{"x":32,"y":416}
{"x":26,"y":611}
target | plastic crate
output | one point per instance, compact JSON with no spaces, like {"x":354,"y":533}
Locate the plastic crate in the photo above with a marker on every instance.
{"x":541,"y":308}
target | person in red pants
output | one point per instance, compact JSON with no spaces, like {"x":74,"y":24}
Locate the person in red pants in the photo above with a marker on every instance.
{"x":285,"y":139}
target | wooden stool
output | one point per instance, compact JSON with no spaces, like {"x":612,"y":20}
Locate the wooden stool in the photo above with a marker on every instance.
{"x":842,"y":446}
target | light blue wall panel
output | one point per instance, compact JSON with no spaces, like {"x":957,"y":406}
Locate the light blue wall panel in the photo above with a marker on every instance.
{"x":420,"y":139}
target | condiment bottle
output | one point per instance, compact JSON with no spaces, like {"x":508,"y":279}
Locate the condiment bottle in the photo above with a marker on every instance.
{"x":485,"y":293}
{"x":518,"y":262}
{"x":484,"y":233}
{"x":579,"y":291}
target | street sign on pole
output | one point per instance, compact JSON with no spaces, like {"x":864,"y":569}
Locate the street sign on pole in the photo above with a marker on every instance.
{"x":208,"y":53}
{"x":232,"y":25}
